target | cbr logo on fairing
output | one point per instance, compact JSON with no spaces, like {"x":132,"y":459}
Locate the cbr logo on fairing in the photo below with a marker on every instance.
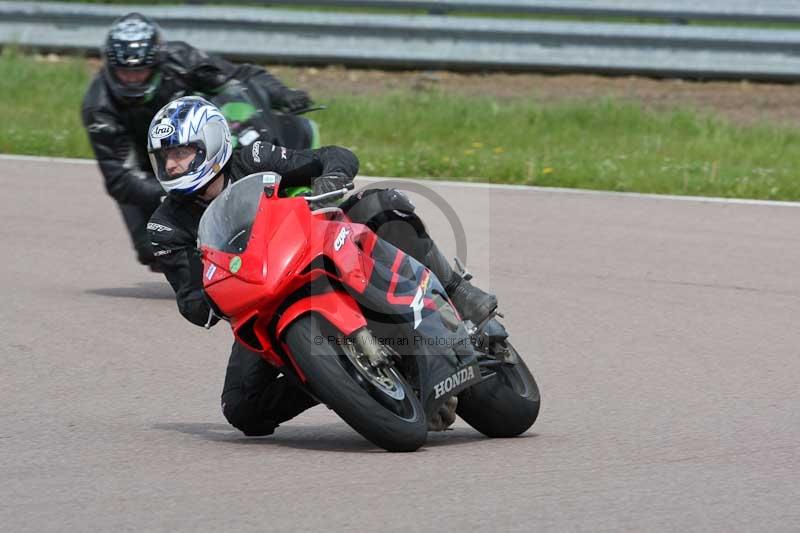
{"x":339,"y":242}
{"x":162,"y":130}
{"x":448,"y":384}
{"x":419,"y":299}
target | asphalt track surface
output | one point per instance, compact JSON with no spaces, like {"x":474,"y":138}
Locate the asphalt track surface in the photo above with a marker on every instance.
{"x":664,"y":336}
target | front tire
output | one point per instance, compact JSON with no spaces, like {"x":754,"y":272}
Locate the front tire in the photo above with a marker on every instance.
{"x":506,"y":403}
{"x":391,"y":418}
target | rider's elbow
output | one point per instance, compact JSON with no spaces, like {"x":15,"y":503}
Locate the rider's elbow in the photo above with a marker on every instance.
{"x":349,"y":162}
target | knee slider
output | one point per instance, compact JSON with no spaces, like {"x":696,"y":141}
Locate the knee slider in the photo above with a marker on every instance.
{"x":245,"y":419}
{"x":398,"y":200}
{"x":399,"y":207}
{"x":373,"y":203}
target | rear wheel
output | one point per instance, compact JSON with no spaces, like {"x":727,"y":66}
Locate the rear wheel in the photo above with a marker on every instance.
{"x":506,"y":403}
{"x":378,"y":403}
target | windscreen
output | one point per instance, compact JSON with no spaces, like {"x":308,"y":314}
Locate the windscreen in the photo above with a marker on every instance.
{"x":227,"y":222}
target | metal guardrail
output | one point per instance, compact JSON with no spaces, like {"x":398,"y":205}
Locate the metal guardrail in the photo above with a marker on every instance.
{"x":730,"y":10}
{"x":426,"y":41}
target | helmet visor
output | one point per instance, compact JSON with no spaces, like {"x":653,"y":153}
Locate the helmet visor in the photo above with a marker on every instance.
{"x":172,"y":162}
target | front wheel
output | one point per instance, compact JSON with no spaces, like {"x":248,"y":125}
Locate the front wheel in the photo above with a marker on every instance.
{"x":378,"y":403}
{"x":506,"y":403}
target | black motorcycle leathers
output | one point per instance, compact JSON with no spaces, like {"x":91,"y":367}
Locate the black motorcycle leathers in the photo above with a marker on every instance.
{"x":254,"y":399}
{"x":118,"y":131}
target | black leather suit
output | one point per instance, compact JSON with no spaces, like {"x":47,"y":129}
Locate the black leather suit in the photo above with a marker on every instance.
{"x":118,"y":130}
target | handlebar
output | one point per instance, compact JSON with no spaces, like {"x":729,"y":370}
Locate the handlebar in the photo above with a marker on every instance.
{"x":308,"y":110}
{"x":333,"y":194}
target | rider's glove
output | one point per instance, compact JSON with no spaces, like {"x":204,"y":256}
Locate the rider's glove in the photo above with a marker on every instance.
{"x":295,"y":100}
{"x":330,"y":183}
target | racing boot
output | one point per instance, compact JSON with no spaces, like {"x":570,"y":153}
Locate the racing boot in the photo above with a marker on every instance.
{"x":471,"y":302}
{"x":445,"y":416}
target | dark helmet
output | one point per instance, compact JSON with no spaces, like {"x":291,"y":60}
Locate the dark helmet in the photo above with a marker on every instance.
{"x":133,"y":45}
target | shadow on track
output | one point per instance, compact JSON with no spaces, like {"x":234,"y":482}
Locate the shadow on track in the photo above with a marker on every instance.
{"x":337,"y":437}
{"x":147,"y":290}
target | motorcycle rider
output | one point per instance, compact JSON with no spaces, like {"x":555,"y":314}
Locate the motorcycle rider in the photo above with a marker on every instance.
{"x":141,"y":73}
{"x":190,"y":151}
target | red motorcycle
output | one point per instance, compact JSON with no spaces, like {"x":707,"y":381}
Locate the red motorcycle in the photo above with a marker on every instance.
{"x":362,"y":326}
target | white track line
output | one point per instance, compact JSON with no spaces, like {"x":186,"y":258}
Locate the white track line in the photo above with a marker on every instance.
{"x":39,"y":159}
{"x":467,"y":184}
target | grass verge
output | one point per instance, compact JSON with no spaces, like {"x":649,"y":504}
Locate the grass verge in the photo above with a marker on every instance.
{"x":603,"y":144}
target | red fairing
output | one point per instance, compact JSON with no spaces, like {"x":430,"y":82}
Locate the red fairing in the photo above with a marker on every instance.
{"x":337,"y":307}
{"x":289,"y":246}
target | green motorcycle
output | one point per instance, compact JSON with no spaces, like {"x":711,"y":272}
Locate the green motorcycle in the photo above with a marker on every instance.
{"x":251,"y":118}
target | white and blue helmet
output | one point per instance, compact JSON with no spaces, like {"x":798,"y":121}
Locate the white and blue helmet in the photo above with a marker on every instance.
{"x":189,"y":121}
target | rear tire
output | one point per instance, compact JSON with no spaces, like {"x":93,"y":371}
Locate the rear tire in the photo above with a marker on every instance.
{"x":335,"y":380}
{"x":506,"y":404}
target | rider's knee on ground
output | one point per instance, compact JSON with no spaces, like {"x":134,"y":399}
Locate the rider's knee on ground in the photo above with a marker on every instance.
{"x":244,"y":415}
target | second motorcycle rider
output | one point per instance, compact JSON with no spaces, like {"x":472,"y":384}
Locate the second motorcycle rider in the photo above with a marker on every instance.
{"x":141,"y":73}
